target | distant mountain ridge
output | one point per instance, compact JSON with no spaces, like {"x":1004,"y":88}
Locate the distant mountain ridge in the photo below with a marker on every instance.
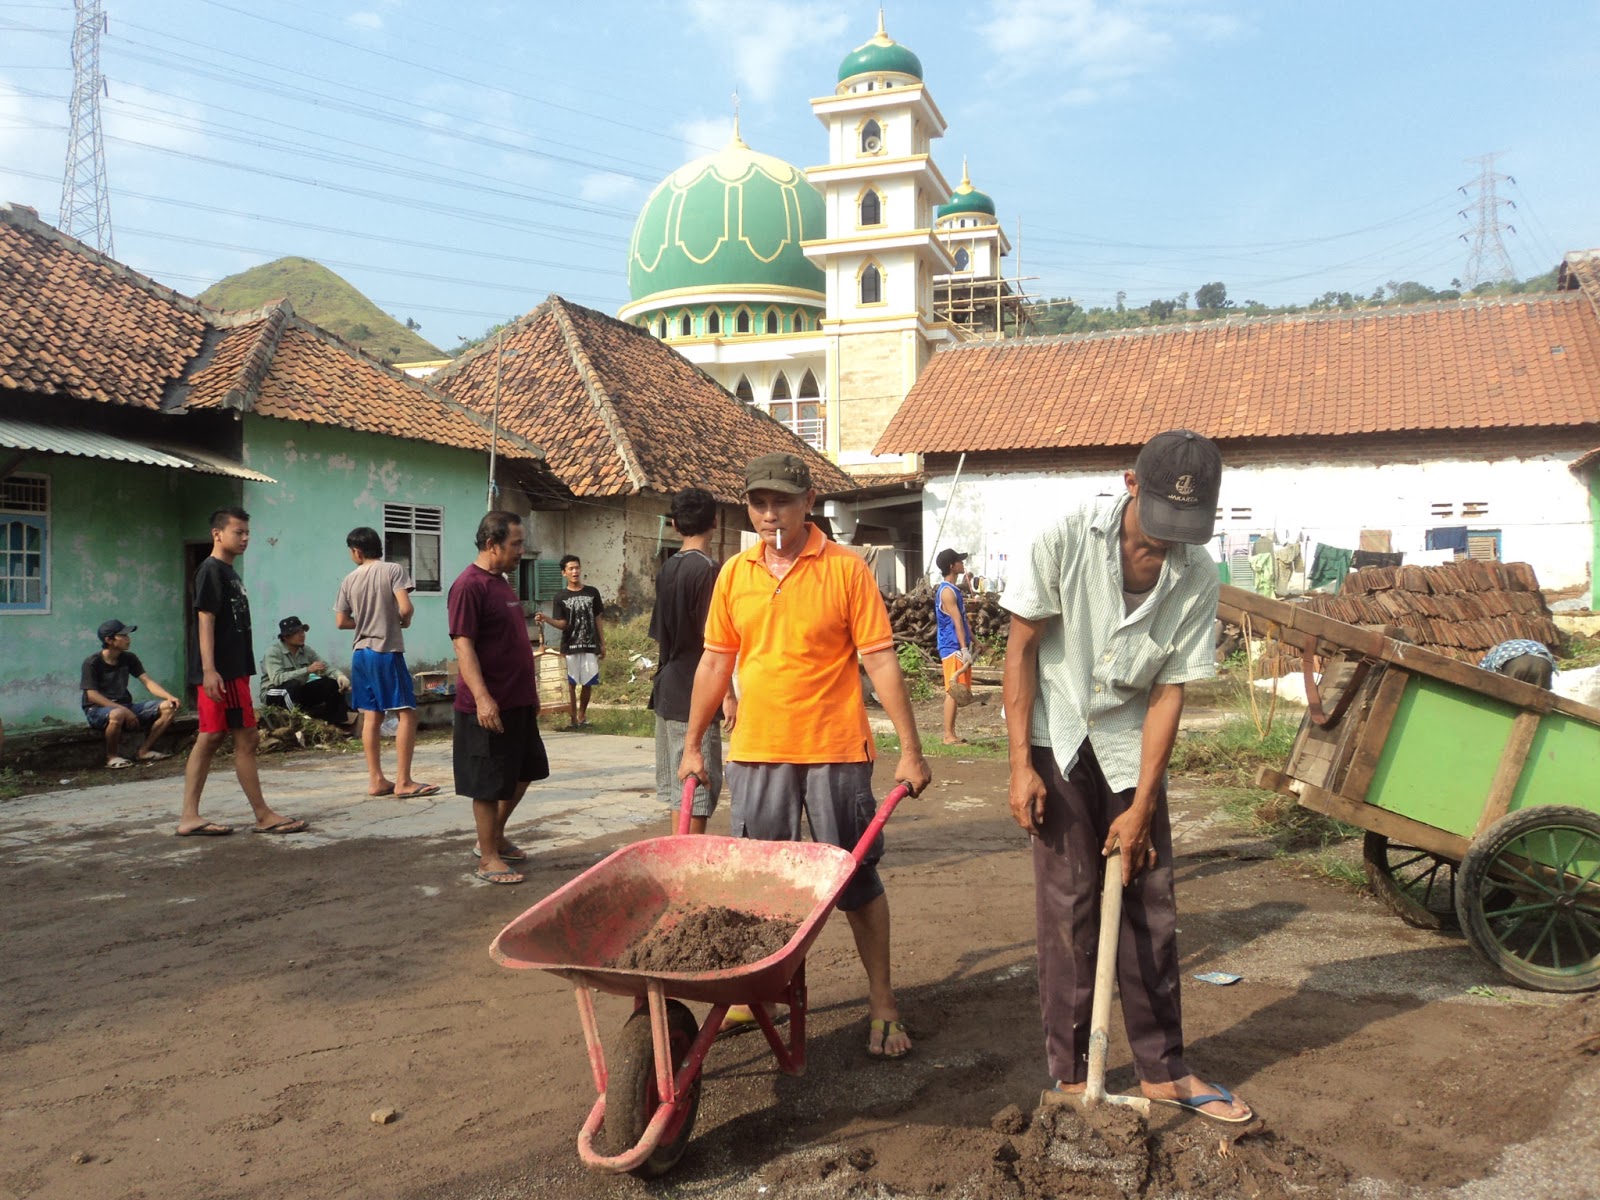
{"x":323,"y":297}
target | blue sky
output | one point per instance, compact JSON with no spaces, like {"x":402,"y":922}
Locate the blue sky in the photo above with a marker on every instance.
{"x":458,"y":162}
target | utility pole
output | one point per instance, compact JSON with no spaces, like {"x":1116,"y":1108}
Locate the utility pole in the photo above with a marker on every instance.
{"x":85,"y":199}
{"x":1487,"y":261}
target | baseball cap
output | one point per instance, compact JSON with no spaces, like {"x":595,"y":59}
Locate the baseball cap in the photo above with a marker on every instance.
{"x":947,"y":557}
{"x":778,"y":473}
{"x":1179,"y":474}
{"x":291,"y":625}
{"x":112,"y":628}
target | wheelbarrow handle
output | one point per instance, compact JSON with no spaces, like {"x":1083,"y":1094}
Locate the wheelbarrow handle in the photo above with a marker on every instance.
{"x":686,"y":805}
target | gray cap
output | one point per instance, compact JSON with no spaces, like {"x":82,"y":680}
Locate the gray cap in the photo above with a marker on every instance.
{"x":1180,"y":477}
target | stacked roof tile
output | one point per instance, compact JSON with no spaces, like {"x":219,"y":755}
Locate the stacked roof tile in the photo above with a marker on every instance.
{"x":617,"y":412}
{"x":1520,"y":362}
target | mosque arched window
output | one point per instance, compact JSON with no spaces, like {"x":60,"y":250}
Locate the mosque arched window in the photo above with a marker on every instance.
{"x":871,"y":137}
{"x":685,"y":325}
{"x":713,"y":321}
{"x":871,"y":282}
{"x":661,"y":328}
{"x":871,"y":212}
{"x":963,"y":259}
{"x":743,"y":390}
{"x":780,"y":387}
{"x":741,"y":321}
{"x":808,"y":386}
{"x":799,"y":320}
{"x":772,"y":320}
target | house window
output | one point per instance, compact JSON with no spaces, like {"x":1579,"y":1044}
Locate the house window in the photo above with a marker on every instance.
{"x":780,"y":387}
{"x":1483,"y":544}
{"x":808,"y":385}
{"x":411,"y":534}
{"x":1474,"y":508}
{"x":963,"y":259}
{"x":871,"y":208}
{"x":744,"y":391}
{"x":714,"y":321}
{"x":25,"y":544}
{"x":538,"y":579}
{"x":1441,"y":508}
{"x":871,"y":285}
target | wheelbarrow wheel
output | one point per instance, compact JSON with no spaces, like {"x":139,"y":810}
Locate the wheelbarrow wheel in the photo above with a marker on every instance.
{"x":632,"y":1097}
{"x":1529,"y":897}
{"x":1418,"y":887}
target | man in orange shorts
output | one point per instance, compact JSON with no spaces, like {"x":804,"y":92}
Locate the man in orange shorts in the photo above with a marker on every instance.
{"x":954,"y":637}
{"x":225,"y":659}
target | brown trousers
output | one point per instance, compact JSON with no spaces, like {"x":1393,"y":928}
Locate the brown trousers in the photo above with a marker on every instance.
{"x":1067,"y":870}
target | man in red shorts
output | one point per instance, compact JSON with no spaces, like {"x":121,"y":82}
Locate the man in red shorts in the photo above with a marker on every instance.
{"x":225,"y":660}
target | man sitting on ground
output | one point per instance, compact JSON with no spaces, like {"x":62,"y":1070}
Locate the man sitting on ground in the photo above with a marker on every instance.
{"x":108,"y":704}
{"x":311,"y":686}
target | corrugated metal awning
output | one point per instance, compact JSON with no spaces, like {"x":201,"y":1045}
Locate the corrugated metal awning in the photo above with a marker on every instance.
{"x":87,"y":443}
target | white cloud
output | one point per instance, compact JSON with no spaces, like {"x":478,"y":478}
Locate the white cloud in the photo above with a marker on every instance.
{"x":1095,"y":48}
{"x":606,"y":187}
{"x":704,"y":135}
{"x":758,"y":41}
{"x":369,"y":21}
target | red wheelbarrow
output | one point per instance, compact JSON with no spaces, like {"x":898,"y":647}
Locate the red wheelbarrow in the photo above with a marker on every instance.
{"x":650,"y":1091}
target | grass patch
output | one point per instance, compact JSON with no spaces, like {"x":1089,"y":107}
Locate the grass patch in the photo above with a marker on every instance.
{"x":10,"y":784}
{"x":624,"y":680}
{"x":1232,"y":755}
{"x":1579,"y":652}
{"x":889,"y":743}
{"x":619,"y":722}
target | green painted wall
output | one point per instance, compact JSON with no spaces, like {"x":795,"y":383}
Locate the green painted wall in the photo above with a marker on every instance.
{"x":329,"y":481}
{"x":1594,"y":530}
{"x":117,"y":533}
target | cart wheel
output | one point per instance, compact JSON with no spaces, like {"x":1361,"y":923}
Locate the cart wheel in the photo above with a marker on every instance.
{"x":1529,"y":897}
{"x":1418,"y":887}
{"x":631,"y":1095}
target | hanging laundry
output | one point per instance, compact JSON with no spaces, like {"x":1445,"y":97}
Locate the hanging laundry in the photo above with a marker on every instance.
{"x":1286,"y":561}
{"x":1265,"y":571}
{"x":1374,"y":558}
{"x":1329,"y":566}
{"x":1448,"y":537}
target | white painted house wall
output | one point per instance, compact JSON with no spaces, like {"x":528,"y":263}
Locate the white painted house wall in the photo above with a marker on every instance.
{"x":1539,"y":506}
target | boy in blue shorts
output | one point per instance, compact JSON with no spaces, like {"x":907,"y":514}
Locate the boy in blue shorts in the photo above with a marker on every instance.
{"x":375,"y":601}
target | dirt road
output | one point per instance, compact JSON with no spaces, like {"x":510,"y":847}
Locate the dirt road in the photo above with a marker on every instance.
{"x":220,"y":1018}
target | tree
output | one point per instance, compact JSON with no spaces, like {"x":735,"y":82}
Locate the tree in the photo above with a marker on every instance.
{"x":1160,"y":310}
{"x":1183,"y":300}
{"x":1121,"y":298}
{"x":413,"y":325}
{"x":1212,"y":296}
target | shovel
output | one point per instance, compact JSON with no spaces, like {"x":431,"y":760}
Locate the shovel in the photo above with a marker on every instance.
{"x":1105,"y":976}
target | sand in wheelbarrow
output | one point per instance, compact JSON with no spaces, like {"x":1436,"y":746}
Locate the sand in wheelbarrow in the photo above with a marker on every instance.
{"x":1103,"y":1154}
{"x":709,"y":938}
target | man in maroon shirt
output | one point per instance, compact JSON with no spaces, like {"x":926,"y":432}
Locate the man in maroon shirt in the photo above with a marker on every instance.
{"x":497,"y":749}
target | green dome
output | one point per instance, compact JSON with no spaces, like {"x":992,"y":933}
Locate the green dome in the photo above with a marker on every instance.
{"x":966,"y":199}
{"x":880,"y":55}
{"x":730,"y":220}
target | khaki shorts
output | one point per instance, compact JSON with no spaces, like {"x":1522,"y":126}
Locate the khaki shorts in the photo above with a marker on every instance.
{"x":670,"y":737}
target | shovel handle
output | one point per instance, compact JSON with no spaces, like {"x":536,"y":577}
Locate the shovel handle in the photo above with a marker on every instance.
{"x":1105,"y":977}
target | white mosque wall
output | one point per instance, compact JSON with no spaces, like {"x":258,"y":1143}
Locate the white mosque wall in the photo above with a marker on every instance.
{"x":1540,"y":508}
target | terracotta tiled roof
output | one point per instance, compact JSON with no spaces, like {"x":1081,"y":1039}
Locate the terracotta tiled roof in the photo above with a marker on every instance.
{"x":75,"y":323}
{"x":1580,"y":271}
{"x":276,"y":364}
{"x":617,"y":412}
{"x":1521,"y":362}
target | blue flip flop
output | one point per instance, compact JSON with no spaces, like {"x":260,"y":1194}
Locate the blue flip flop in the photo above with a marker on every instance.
{"x":1195,"y":1105}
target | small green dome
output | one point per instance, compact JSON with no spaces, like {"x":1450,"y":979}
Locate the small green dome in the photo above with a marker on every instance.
{"x":966,"y":199}
{"x":880,"y":55}
{"x":731,"y":219}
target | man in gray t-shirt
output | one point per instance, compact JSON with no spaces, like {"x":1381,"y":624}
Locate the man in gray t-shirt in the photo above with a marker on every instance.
{"x":375,"y":601}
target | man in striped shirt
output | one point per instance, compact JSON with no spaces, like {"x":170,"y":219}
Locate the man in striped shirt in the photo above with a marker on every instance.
{"x":1112,"y":614}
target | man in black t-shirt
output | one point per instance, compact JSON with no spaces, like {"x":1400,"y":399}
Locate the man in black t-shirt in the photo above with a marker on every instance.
{"x":108,"y":705}
{"x":577,"y":612}
{"x":678,"y":624}
{"x":223,"y":661}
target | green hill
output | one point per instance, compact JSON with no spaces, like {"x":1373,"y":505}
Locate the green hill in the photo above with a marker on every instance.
{"x":320,"y":296}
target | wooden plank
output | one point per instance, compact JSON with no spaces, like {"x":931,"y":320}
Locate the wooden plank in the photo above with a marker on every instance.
{"x":1269,"y":780}
{"x":1374,"y":732}
{"x":1380,"y":820}
{"x":1512,"y":760}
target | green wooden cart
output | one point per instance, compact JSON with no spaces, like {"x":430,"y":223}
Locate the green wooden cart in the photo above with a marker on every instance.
{"x":1479,"y":794}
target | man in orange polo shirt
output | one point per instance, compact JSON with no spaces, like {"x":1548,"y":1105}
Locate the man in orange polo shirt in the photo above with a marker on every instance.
{"x":793,"y":613}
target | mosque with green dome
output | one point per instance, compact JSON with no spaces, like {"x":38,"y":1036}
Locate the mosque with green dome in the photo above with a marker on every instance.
{"x":818,"y":295}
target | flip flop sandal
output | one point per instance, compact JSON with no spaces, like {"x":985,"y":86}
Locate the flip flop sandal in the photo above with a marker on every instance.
{"x":209,"y":829}
{"x":1194,"y":1105}
{"x":118,"y":764}
{"x":515,"y":854}
{"x":292,"y":825}
{"x":502,"y":878}
{"x":885,"y":1027}
{"x":153,"y":756}
{"x":427,"y":789}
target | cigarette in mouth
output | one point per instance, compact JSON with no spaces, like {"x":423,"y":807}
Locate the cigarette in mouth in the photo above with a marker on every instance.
{"x":780,"y":539}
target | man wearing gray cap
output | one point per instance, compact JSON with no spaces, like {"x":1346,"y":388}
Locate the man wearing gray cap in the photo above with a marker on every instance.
{"x":793,"y":613}
{"x":1112,"y":613}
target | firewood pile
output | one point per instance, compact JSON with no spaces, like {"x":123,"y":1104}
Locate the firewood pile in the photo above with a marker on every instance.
{"x":911,"y":616}
{"x":1461,"y":609}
